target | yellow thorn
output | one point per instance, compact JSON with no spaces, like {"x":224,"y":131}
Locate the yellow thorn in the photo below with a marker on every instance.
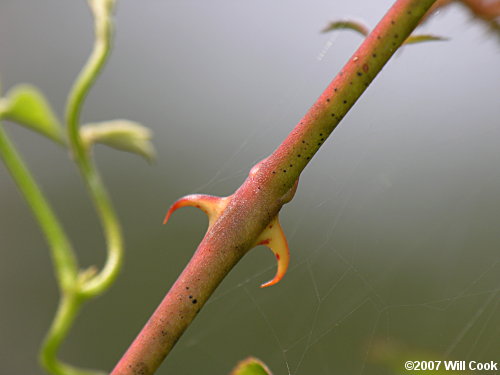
{"x":274,"y":238}
{"x":211,"y":205}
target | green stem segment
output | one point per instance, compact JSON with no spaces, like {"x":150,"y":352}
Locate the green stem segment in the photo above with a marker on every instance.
{"x":263,"y":193}
{"x":75,"y":288}
{"x":102,"y":10}
{"x":60,"y":247}
{"x":68,"y":308}
{"x":62,"y":255}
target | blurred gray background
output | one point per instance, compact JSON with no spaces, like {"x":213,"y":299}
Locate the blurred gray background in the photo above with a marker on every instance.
{"x":395,"y":229}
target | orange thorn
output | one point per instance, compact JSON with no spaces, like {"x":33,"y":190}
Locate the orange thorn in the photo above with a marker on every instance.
{"x":209,"y":204}
{"x":274,"y":238}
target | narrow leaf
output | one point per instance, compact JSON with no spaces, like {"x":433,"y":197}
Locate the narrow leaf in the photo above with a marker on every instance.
{"x":123,"y":135}
{"x":26,"y":105}
{"x":347,"y":25}
{"x":419,"y":38}
{"x":363,"y":30}
{"x":251,"y":366}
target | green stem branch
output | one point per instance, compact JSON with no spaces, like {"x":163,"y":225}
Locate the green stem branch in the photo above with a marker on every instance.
{"x":62,"y":255}
{"x":74,"y":287}
{"x":68,"y":308}
{"x":60,"y":247}
{"x":102,"y":10}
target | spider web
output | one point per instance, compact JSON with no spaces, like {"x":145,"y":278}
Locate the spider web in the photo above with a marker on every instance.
{"x":393,"y":232}
{"x":385,"y":268}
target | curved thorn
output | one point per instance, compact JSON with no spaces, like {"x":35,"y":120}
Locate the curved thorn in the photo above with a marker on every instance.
{"x":209,"y":204}
{"x":274,"y":238}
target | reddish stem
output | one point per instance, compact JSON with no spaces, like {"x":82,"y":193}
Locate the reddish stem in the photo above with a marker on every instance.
{"x":269,"y":185}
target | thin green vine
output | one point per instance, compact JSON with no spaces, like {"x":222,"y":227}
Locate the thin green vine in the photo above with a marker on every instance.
{"x":63,"y":257}
{"x":75,"y":287}
{"x":102,"y":10}
{"x":87,"y":285}
{"x":60,"y":246}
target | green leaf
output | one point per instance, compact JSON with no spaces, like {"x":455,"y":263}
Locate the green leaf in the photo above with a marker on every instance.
{"x":413,"y":39}
{"x":123,"y":135}
{"x":251,"y":366}
{"x":26,"y":105}
{"x":347,"y":25}
{"x":363,"y":30}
